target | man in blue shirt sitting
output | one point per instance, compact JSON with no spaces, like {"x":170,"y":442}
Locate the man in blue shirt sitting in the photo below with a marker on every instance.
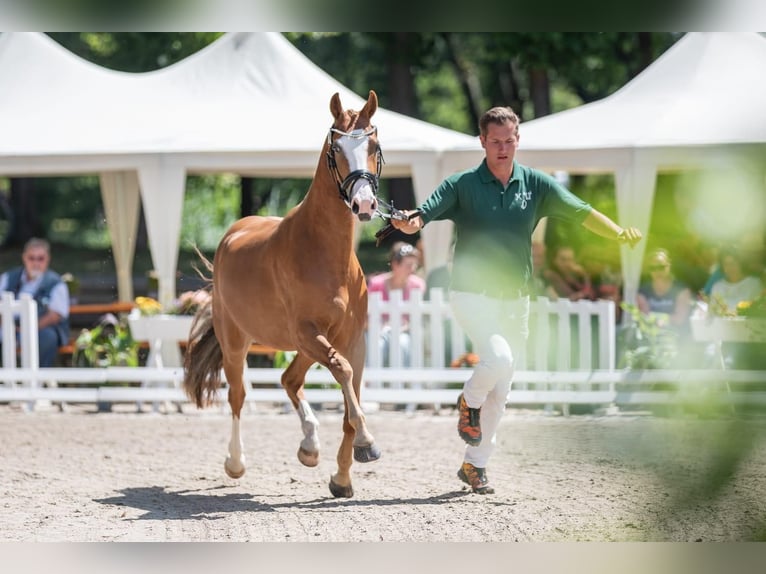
{"x":49,"y":291}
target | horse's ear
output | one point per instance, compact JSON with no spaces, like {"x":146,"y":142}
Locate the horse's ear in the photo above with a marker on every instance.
{"x":336,"y":109}
{"x":371,"y":106}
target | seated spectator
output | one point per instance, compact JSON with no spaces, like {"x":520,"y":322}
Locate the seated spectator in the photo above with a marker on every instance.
{"x":735,"y":285}
{"x":604,"y":272}
{"x":403,"y":260}
{"x":49,"y":291}
{"x":663,"y":294}
{"x":565,"y":277}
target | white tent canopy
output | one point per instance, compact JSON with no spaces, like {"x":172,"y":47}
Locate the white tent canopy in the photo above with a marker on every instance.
{"x":700,"y":105}
{"x":250,"y":103}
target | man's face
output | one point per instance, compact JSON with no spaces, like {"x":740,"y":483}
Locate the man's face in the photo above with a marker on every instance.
{"x":35,"y":262}
{"x":500,"y":145}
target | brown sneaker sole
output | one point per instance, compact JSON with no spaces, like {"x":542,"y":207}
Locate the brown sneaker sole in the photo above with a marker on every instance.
{"x":486,"y":489}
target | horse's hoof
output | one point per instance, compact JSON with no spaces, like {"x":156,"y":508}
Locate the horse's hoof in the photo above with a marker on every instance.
{"x":308,"y":458}
{"x":339,"y":491}
{"x":366,"y":453}
{"x":231,"y":472}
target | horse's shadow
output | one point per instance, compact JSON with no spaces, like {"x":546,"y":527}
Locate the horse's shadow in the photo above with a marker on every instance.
{"x":162,"y":504}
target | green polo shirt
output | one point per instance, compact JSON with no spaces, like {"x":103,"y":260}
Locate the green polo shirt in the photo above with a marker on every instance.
{"x":494,"y":224}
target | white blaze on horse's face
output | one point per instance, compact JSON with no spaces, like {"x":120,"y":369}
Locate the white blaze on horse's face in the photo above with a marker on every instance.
{"x":356,"y":150}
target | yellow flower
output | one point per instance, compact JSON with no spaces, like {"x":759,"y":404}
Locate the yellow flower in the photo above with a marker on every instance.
{"x":148,"y":306}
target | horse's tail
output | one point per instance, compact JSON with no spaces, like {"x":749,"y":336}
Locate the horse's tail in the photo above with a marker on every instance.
{"x":204,"y":358}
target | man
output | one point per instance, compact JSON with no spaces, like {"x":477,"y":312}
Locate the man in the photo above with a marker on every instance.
{"x":495,"y":207}
{"x":50,"y":292}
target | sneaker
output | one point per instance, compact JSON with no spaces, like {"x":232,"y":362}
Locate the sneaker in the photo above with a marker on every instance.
{"x":468,"y":426}
{"x":476,"y":478}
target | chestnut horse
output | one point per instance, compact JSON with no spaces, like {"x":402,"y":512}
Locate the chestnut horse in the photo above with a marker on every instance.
{"x":295,"y":284}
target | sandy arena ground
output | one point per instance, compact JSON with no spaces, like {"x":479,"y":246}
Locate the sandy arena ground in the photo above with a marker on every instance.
{"x":127,"y":476}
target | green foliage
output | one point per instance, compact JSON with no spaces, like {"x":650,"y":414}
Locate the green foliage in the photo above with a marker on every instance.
{"x":282,"y":359}
{"x":72,"y":210}
{"x":109,"y":344}
{"x":211,"y":205}
{"x":134,"y":51}
{"x":647,"y":343}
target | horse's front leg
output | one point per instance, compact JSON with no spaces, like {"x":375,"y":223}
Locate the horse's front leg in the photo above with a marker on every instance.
{"x":293,"y":380}
{"x":320,"y":350}
{"x":356,"y":438}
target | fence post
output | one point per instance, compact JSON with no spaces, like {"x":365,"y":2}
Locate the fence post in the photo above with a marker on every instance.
{"x":374,"y":326}
{"x":7,"y":308}
{"x":26,"y":309}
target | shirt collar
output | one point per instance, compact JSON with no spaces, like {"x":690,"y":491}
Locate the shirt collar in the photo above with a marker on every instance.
{"x":487,"y":177}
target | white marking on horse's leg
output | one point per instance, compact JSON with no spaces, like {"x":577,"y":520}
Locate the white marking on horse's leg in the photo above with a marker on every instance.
{"x":309,"y":425}
{"x":235,"y":462}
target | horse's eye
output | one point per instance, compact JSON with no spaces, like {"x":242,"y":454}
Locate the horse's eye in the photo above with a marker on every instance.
{"x":336,"y":148}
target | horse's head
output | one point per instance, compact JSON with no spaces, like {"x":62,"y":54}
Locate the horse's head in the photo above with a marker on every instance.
{"x":353,"y":150}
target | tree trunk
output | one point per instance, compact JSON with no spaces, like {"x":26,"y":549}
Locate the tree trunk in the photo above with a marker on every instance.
{"x":403,"y":100}
{"x":469,"y":82}
{"x":246,"y":196}
{"x":25,"y":223}
{"x":507,"y":87}
{"x":401,"y":85}
{"x":646,"y":57}
{"x":540,"y":91}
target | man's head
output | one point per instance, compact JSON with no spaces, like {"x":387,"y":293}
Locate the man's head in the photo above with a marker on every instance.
{"x":498,"y":116}
{"x":36,"y":257}
{"x":499,"y":136}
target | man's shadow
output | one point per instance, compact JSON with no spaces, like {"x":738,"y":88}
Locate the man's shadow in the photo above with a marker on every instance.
{"x":162,"y":504}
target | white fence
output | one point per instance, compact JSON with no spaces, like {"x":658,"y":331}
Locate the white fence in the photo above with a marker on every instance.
{"x":25,"y":309}
{"x":563,"y":335}
{"x":570,"y":359}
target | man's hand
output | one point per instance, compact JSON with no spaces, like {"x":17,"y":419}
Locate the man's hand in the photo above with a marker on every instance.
{"x":407,"y":221}
{"x":629,"y":235}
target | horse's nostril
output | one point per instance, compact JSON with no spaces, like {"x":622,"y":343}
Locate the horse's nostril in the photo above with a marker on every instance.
{"x":355,"y":208}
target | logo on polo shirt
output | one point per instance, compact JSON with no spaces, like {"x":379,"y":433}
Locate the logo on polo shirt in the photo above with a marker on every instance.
{"x":523,"y":197}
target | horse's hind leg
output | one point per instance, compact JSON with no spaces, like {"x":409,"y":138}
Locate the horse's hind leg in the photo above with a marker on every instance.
{"x":292,"y":380}
{"x":234,"y":345}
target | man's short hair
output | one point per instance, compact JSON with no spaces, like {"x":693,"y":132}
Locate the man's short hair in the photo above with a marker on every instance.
{"x":498,"y":115}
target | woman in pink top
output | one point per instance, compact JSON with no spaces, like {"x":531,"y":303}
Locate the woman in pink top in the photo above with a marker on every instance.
{"x":404,"y":260}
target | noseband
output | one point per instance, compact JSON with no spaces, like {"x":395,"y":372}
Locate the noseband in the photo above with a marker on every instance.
{"x":345,"y":184}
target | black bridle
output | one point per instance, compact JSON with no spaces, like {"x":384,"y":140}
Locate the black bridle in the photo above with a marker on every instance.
{"x":345,"y":184}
